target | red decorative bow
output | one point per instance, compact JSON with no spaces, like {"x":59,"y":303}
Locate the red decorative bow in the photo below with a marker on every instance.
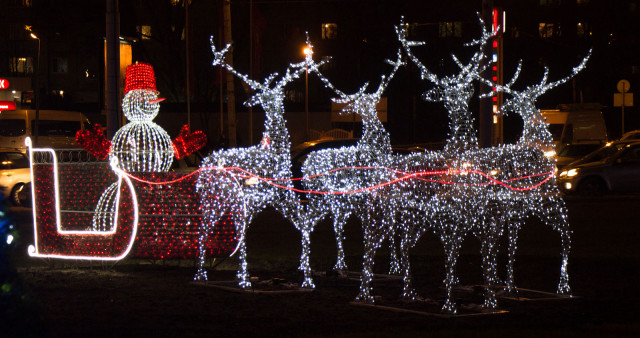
{"x":94,"y":142}
{"x":187,"y":142}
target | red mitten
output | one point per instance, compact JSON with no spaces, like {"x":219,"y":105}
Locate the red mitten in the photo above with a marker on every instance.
{"x":94,"y":142}
{"x":187,"y":142}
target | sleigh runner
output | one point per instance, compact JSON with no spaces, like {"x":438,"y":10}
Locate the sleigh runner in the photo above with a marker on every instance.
{"x":151,"y":220}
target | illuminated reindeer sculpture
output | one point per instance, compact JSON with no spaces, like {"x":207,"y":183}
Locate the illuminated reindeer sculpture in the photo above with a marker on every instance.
{"x":243,"y":181}
{"x":449,"y":209}
{"x":347,"y":174}
{"x":543,"y":202}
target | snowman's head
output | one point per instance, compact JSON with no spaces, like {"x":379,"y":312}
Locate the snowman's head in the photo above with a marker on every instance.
{"x":141,"y":105}
{"x":140,"y":102}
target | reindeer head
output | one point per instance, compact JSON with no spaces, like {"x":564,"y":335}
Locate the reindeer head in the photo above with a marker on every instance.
{"x":270,"y":93}
{"x":454,"y":89}
{"x":523,"y":103}
{"x":361,"y":102}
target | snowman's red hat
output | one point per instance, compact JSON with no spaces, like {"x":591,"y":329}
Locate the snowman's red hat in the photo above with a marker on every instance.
{"x":140,"y":76}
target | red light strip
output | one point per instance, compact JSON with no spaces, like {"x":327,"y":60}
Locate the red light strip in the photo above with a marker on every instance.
{"x":403,"y":177}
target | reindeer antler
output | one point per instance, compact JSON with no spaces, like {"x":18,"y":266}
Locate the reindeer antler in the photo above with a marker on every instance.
{"x":219,"y":60}
{"x":468,"y":72}
{"x":384,"y":82}
{"x":532,"y":92}
{"x":401,"y":31}
{"x":293,"y":72}
{"x":352,"y":100}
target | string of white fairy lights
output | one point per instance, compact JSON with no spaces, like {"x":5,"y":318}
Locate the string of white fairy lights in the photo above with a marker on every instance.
{"x":485,"y":210}
{"x":460,"y":190}
{"x":221,"y":193}
{"x":365,"y":170}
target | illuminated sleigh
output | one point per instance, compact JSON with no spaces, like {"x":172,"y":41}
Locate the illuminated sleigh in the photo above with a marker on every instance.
{"x":157,"y":215}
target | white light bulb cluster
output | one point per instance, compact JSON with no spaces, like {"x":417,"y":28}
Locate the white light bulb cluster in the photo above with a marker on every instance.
{"x":223,"y":190}
{"x":455,"y":192}
{"x":139,"y":146}
{"x":468,"y":205}
{"x":373,"y":151}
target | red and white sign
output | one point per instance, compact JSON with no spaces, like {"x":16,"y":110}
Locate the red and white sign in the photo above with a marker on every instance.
{"x":7,"y":105}
{"x":4,"y":84}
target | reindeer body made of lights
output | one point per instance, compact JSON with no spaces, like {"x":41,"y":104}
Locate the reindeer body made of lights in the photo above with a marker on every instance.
{"x":450,"y":210}
{"x":354,"y":168}
{"x":544,"y":202}
{"x":244,"y":181}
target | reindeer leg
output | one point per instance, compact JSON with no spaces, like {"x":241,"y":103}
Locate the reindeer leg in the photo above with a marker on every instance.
{"x":554,"y":214}
{"x":489,"y":243}
{"x":408,"y":292}
{"x":451,"y":258}
{"x":513,"y":229}
{"x":209,"y":220}
{"x":242,"y":275}
{"x":394,"y":261}
{"x":562,"y":225}
{"x":563,"y":285}
{"x":339,"y":220}
{"x":201,"y":274}
{"x":367,"y":270}
{"x":305,"y":267}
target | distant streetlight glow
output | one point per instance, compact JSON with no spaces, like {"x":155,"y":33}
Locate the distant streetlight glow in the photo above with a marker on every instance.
{"x":36,"y":89}
{"x":307,"y":51}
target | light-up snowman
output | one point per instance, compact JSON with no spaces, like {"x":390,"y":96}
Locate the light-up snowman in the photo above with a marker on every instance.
{"x":140,"y":145}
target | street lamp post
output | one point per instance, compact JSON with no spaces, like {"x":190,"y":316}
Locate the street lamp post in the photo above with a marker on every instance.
{"x":36,"y":130}
{"x":307,"y":52}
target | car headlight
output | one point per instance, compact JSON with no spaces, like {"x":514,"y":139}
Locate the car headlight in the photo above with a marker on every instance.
{"x":569,"y":173}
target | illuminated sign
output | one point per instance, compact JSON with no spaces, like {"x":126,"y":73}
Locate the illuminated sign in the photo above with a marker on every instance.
{"x":4,"y":84}
{"x":7,"y":105}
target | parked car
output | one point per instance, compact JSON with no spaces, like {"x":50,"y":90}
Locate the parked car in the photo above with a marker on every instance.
{"x":631,"y":135}
{"x":15,"y":176}
{"x":300,"y":152}
{"x":56,"y":128}
{"x":613,"y":168}
{"x":572,"y":152}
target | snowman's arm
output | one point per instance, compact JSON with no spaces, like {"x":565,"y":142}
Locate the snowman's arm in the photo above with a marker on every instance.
{"x":94,"y":141}
{"x":187,"y":142}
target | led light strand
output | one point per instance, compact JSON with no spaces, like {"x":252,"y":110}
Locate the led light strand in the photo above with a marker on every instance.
{"x":103,"y":239}
{"x":219,"y":193}
{"x":349,"y":192}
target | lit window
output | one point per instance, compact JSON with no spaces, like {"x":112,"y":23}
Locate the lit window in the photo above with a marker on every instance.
{"x":144,"y":32}
{"x":450,"y":29}
{"x":329,"y":31}
{"x":550,"y":2}
{"x":27,"y":3}
{"x":549,"y":30}
{"x":21,"y":65}
{"x":582,"y":2}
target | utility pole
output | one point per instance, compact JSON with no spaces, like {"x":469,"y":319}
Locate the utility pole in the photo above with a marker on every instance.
{"x":485,"y":118}
{"x":231,"y":98}
{"x":250,"y":68}
{"x":113,"y":68}
{"x":187,"y":56}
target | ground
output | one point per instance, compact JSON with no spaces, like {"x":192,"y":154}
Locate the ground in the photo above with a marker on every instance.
{"x":140,"y":298}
